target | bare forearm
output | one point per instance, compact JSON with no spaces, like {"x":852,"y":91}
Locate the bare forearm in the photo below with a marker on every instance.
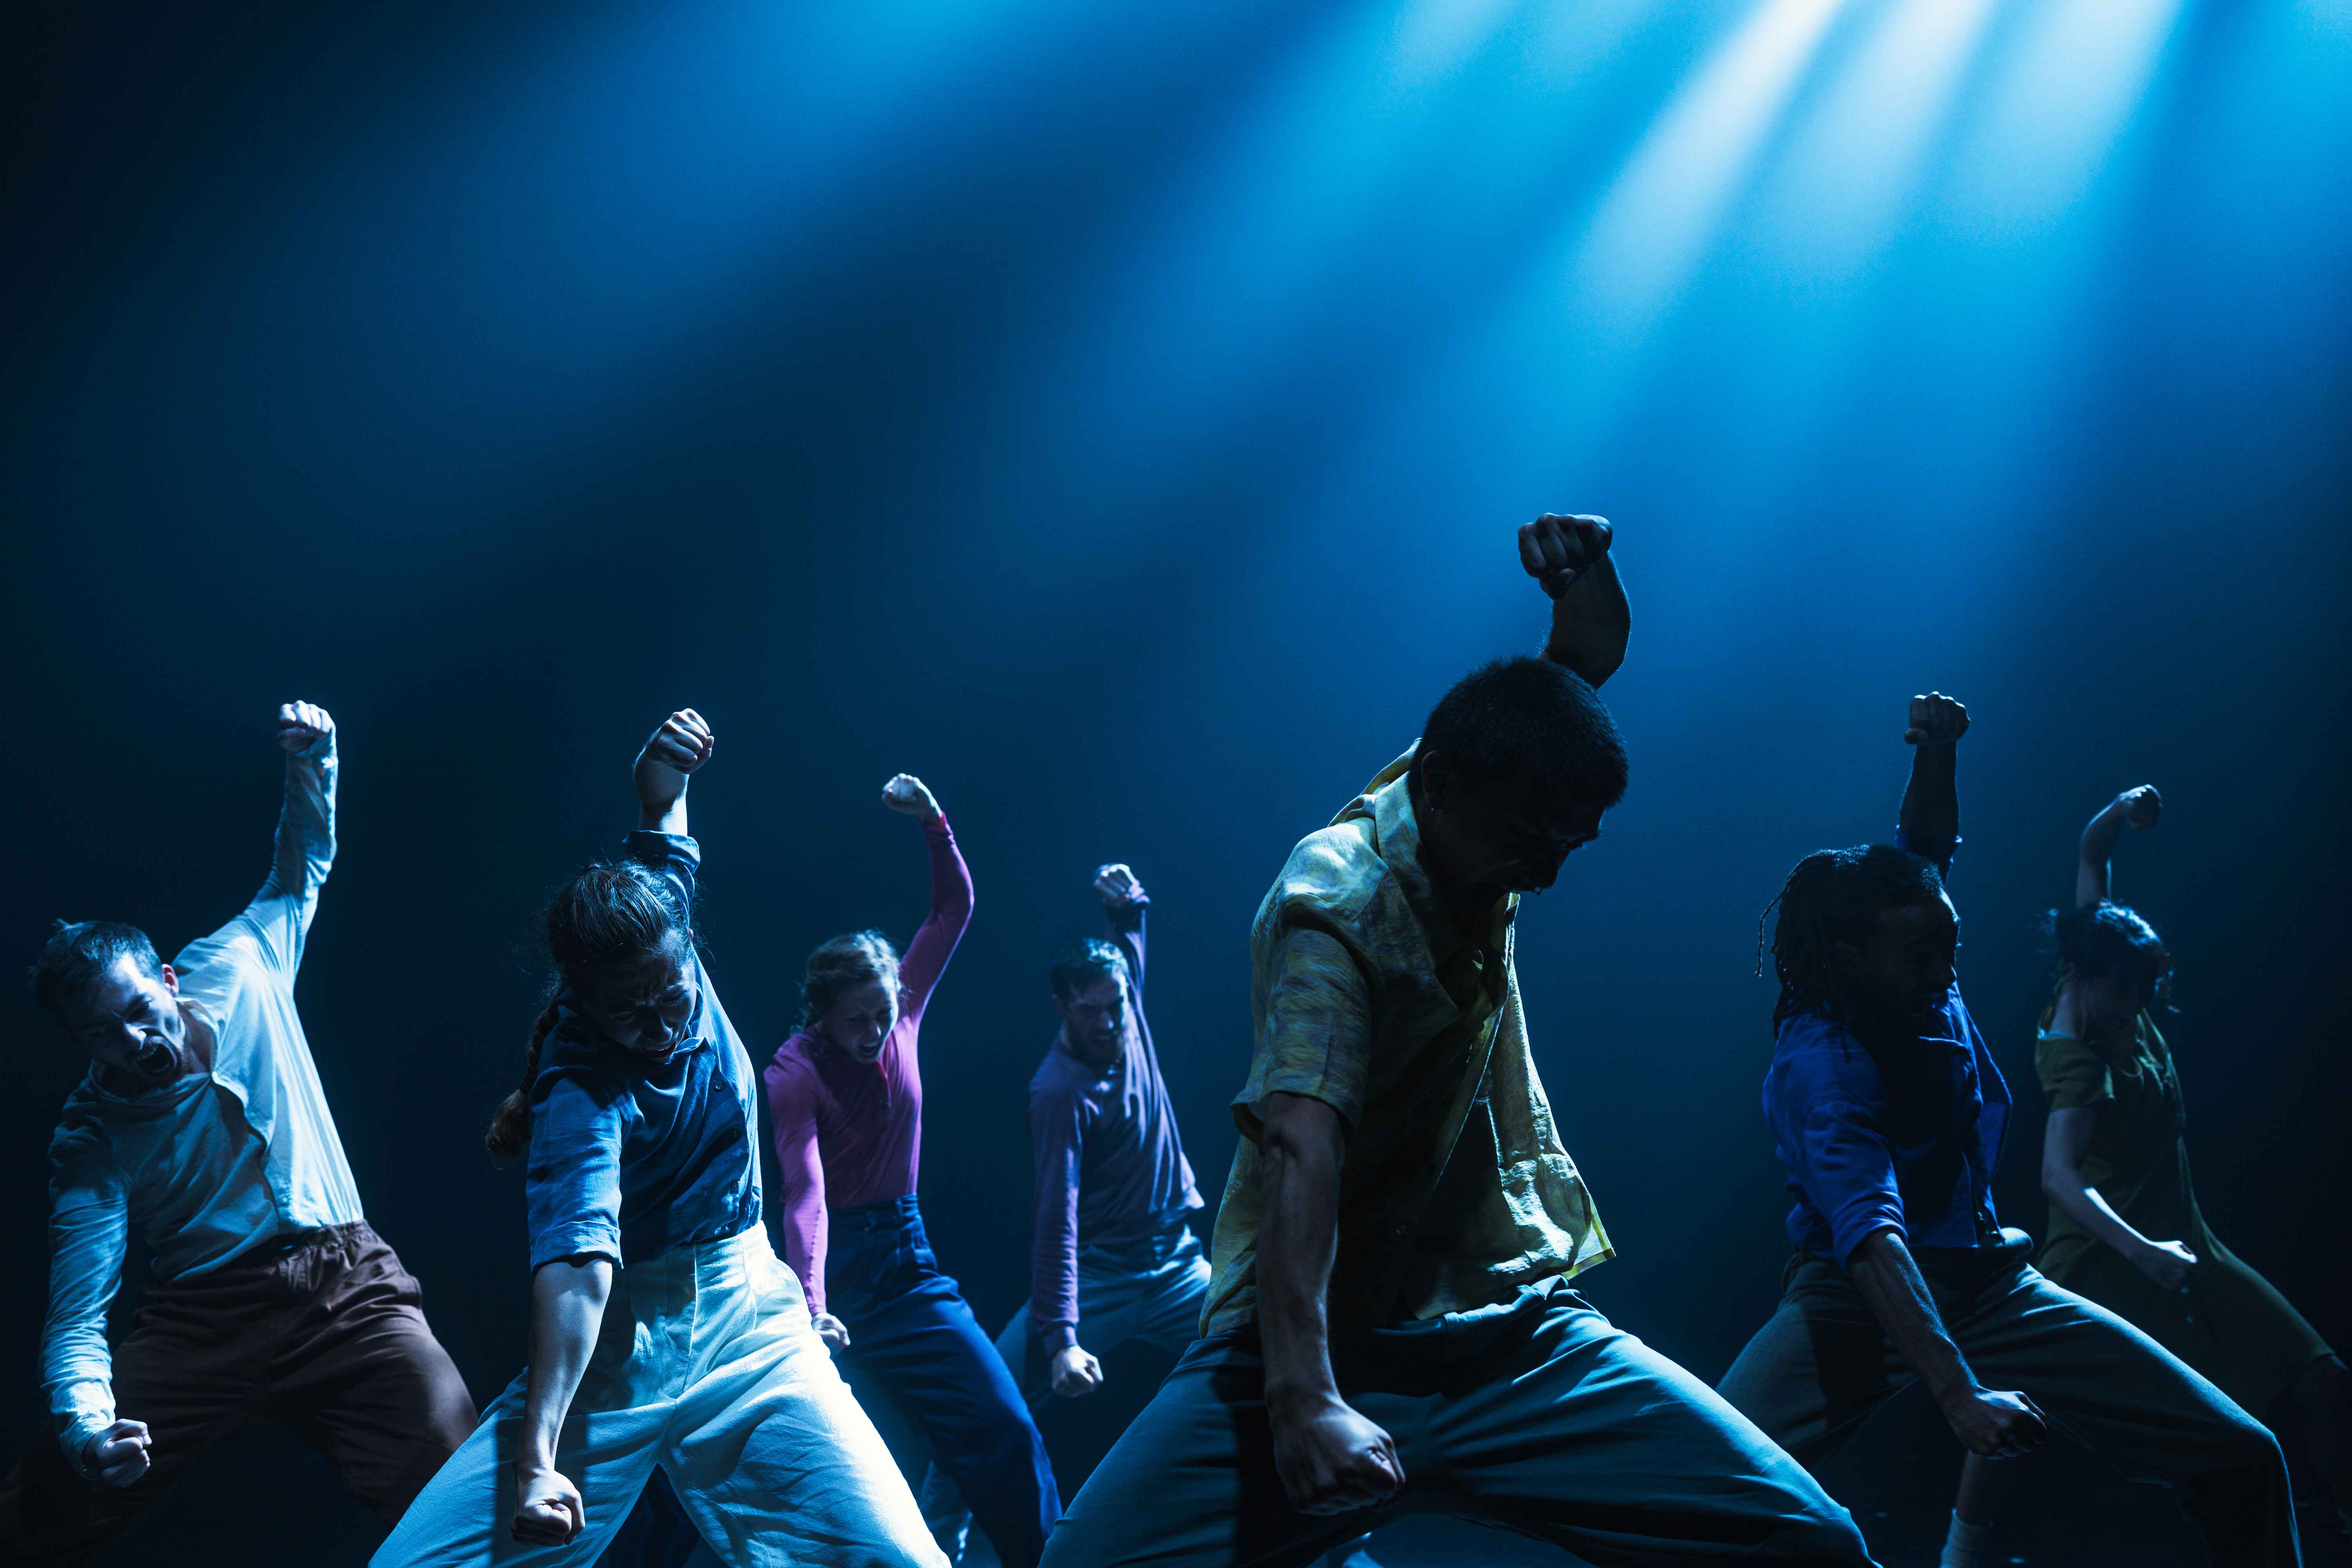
{"x":1931,"y":817}
{"x":1896,"y":1293}
{"x":1297,"y":1241}
{"x":1590,"y":623}
{"x":657,"y":816}
{"x":567,"y":1308}
{"x":2088,"y":1207}
{"x":2091,"y":870}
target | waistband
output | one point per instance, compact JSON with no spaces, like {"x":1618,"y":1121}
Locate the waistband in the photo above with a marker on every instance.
{"x":694,"y":1257}
{"x":892,"y":1214}
{"x":287,"y":1243}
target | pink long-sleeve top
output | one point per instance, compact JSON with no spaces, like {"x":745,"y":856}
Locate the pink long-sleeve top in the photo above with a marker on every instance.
{"x":850,"y":1133}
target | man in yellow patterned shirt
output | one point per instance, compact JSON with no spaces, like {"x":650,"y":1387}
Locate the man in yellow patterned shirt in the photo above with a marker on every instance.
{"x":1389,"y":1326}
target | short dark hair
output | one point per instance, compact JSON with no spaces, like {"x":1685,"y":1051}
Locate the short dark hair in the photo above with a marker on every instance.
{"x":78,"y":952}
{"x":2105,"y":940}
{"x":1529,"y":717}
{"x":1834,"y":896}
{"x":1081,"y":963}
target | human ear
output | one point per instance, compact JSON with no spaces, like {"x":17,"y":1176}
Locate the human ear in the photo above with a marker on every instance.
{"x":170,"y":980}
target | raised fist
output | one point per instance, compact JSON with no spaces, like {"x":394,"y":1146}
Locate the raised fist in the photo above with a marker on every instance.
{"x":684,"y":741}
{"x":1118,"y":889}
{"x":2142,"y":806}
{"x":906,"y":793}
{"x":1935,"y":721}
{"x":301,"y":726}
{"x":1555,"y":549}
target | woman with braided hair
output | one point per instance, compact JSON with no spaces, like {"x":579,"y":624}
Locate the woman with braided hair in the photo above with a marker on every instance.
{"x":665,"y":1333}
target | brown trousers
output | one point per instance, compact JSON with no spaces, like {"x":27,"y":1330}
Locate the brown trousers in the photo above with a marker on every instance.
{"x":324,"y":1332}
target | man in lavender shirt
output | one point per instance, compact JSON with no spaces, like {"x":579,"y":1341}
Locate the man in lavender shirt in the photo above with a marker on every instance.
{"x":1111,"y":1255}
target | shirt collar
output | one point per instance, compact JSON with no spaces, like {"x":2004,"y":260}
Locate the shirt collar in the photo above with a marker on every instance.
{"x":1397,"y":838}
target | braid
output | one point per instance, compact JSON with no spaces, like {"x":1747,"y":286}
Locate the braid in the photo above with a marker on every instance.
{"x":1833,"y":896}
{"x":610,"y":912}
{"x":509,"y":1131}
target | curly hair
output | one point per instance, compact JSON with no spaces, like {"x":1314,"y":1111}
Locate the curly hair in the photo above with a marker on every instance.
{"x":609,"y":913}
{"x":2106,"y":941}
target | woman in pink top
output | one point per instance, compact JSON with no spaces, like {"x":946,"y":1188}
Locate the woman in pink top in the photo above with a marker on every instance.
{"x":846,"y":1094}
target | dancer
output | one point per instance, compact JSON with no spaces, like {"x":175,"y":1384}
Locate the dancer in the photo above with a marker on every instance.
{"x":1112,"y":1254}
{"x":1889,"y":1115}
{"x":1390,"y":1324}
{"x":845,"y":1096}
{"x":664,"y":1331}
{"x":2124,"y":1227}
{"x":203,"y":1124}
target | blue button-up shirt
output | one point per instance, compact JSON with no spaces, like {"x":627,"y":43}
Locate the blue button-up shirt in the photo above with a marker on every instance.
{"x":1859,"y":1162}
{"x":629,"y":1160}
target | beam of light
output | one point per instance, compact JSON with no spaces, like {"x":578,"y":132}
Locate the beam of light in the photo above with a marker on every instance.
{"x":1842,"y":182}
{"x":1655,"y":224}
{"x":2073,"y":74}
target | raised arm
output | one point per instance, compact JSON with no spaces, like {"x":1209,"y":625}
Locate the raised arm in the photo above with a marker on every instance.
{"x":280,"y":913}
{"x":682,"y":744}
{"x":2138,"y":808}
{"x":1591,"y":620}
{"x":1124,"y":901}
{"x":927,"y":956}
{"x":567,"y":1308}
{"x":1930,"y":820}
{"x":89,"y":1222}
{"x":1332,"y":1459}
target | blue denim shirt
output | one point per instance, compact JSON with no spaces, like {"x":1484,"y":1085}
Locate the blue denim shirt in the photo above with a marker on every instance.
{"x":629,"y":1160}
{"x":1858,"y":1162}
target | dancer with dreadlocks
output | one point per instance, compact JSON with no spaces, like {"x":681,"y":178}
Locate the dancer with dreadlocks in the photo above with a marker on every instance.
{"x":1889,"y":1113}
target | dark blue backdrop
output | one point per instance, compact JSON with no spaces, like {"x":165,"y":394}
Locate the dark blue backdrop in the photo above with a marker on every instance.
{"x":1118,"y":416}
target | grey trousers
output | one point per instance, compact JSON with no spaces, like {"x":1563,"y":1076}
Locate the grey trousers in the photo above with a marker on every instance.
{"x":1147,"y":1290}
{"x":1821,"y":1364}
{"x":1537,"y":1417}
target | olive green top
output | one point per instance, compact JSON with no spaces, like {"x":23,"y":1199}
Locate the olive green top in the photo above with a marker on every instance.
{"x":2228,"y":1322}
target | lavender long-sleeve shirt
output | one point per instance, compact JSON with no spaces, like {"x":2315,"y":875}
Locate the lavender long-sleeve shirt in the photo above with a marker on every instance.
{"x":850,"y":1133}
{"x":1110,"y":1160}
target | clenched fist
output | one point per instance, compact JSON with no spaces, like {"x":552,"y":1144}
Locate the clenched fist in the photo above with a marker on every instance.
{"x":1935,"y":721}
{"x":1117,"y":886}
{"x":302,"y":726}
{"x":1555,"y":548}
{"x":906,"y":793}
{"x":2142,"y":807}
{"x":1076,"y":1372}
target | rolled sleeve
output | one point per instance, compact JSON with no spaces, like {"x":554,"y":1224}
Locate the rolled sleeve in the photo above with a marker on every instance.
{"x":573,"y":1191}
{"x":1317,"y":1037}
{"x":1848,"y":1172}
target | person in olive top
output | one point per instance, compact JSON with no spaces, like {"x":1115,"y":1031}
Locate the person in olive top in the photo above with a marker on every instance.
{"x":2124,"y":1227}
{"x":1389,"y":1325}
{"x":1889,"y":1113}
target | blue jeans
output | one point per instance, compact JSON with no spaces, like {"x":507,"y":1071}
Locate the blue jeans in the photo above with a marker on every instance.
{"x":912,"y":1334}
{"x":1147,"y":1289}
